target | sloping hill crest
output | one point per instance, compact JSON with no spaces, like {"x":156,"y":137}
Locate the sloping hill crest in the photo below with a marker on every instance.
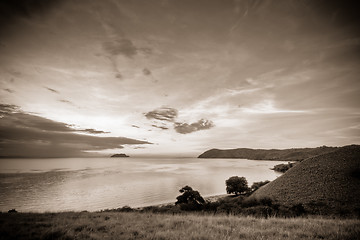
{"x":332,"y":179}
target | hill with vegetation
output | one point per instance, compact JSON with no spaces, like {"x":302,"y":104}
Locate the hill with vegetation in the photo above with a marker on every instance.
{"x":330,"y":181}
{"x":293,"y":154}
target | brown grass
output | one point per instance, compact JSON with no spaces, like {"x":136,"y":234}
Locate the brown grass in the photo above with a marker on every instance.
{"x":115,"y":225}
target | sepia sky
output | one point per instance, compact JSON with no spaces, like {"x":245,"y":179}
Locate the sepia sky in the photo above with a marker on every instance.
{"x":177,"y":77}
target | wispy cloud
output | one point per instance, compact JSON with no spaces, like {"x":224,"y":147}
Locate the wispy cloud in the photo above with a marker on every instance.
{"x":92,"y":131}
{"x":15,"y":73}
{"x":52,"y":90}
{"x":268,"y":107}
{"x":161,"y":127}
{"x":8,"y":90}
{"x":124,"y":46}
{"x":67,"y":102}
{"x":121,"y":46}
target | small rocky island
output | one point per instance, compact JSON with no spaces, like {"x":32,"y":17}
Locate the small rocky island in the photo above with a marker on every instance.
{"x":120,"y":155}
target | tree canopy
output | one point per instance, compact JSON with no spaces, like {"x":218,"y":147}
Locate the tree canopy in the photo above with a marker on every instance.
{"x":237,"y":185}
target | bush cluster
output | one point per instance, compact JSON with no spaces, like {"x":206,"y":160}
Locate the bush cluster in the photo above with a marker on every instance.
{"x":191,"y":200}
{"x":242,"y":206}
{"x":264,"y":207}
{"x":283,"y":167}
{"x":242,"y":203}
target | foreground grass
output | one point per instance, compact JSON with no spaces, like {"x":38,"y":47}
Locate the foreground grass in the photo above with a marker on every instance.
{"x":117,"y":225}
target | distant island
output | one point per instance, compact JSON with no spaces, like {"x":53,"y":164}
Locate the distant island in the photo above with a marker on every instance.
{"x":292,"y":154}
{"x":120,"y":155}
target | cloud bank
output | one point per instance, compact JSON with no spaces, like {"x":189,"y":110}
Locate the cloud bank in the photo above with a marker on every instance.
{"x":26,"y":135}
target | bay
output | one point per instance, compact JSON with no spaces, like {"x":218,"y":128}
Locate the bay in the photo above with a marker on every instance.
{"x":78,"y":184}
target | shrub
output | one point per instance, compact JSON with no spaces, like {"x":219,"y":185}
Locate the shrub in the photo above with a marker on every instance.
{"x":211,"y":206}
{"x":190,"y":199}
{"x":298,"y":209}
{"x":283,"y":167}
{"x":259,"y":211}
{"x":125,"y":209}
{"x":256,"y":185}
{"x":162,"y":209}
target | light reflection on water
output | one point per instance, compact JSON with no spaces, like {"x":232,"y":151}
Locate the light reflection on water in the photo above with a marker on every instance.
{"x":91,"y":184}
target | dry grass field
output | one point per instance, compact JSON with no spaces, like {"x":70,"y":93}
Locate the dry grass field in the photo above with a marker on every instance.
{"x":134,"y":225}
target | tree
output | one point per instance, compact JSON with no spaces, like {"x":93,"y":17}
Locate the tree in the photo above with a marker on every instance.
{"x":190,"y":199}
{"x":236,"y":185}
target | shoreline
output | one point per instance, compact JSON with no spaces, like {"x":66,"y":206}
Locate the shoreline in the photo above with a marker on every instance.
{"x":211,"y":198}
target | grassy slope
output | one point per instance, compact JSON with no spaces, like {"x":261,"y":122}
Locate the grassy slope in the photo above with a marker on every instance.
{"x":331,"y":178}
{"x":107,"y":225}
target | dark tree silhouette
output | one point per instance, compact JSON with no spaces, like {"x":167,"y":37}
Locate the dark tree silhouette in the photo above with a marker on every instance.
{"x":237,"y":185}
{"x":190,"y":199}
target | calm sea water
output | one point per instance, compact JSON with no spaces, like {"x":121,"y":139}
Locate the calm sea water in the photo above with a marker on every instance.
{"x":40,"y":185}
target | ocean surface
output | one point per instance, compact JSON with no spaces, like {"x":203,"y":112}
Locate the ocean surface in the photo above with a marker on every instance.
{"x":76,"y":184}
